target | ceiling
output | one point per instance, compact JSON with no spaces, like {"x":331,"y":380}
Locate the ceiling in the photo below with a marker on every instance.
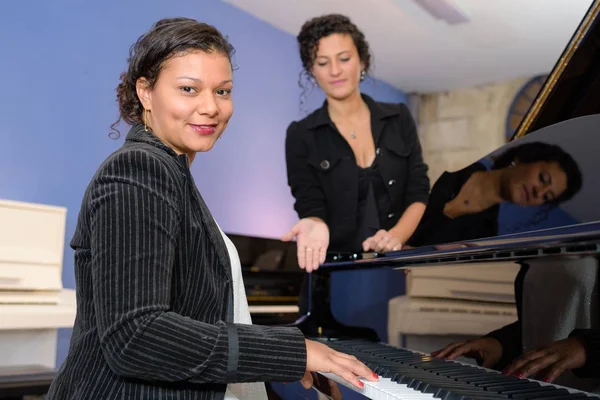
{"x":503,"y":39}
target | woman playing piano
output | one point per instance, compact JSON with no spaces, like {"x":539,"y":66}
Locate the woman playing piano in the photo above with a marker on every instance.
{"x":355,"y":165}
{"x":161,"y":308}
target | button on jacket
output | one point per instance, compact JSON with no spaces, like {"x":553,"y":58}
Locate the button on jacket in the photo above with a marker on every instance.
{"x":324,"y":177}
{"x":154,"y":291}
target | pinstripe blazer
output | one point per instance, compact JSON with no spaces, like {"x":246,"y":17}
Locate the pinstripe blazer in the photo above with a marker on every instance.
{"x":154,"y":294}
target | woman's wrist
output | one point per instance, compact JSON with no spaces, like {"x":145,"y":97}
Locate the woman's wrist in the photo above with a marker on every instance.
{"x":399,"y":234}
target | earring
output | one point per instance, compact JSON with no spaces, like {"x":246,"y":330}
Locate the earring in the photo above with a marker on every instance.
{"x":362,"y":75}
{"x":146,"y":120}
{"x":513,"y":164}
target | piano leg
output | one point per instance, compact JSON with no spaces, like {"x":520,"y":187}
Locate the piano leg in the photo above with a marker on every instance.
{"x":319,"y":322}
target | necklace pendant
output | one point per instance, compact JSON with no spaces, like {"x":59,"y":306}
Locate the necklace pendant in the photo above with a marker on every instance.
{"x":352,"y":135}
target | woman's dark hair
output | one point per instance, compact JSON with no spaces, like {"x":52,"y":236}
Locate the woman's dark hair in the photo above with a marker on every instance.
{"x":317,"y":28}
{"x":168,"y":38}
{"x":528,"y":153}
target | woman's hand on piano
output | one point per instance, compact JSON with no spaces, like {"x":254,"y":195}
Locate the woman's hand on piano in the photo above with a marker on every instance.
{"x":312,"y":240}
{"x":383,"y":241}
{"x":486,"y":350}
{"x":549,"y":362}
{"x":321,"y":358}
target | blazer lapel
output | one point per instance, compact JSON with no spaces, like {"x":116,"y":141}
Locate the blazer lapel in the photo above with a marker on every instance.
{"x":213,"y":232}
{"x":209,"y":224}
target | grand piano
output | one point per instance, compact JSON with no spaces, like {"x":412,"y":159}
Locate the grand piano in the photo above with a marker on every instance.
{"x":272,"y":278}
{"x":566,"y":115}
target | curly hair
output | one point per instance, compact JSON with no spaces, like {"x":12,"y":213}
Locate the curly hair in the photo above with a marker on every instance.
{"x":539,"y":151}
{"x":167,"y":38}
{"x":317,"y":28}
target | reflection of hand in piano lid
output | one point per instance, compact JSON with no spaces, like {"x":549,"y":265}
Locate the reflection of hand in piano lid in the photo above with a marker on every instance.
{"x":452,"y":246}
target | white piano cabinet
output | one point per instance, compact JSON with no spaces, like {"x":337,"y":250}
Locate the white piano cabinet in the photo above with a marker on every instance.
{"x":32,"y":238}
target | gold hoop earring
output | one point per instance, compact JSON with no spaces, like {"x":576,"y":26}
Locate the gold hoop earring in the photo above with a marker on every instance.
{"x":146,"y":119}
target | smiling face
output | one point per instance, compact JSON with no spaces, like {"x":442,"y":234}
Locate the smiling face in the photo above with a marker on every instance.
{"x":337,"y":66}
{"x":534,"y":183}
{"x":190,"y":103}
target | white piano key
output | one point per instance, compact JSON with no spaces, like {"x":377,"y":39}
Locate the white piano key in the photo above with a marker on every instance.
{"x":384,"y":389}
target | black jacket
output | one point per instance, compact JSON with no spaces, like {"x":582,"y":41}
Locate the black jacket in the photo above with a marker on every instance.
{"x":323,"y":174}
{"x":154,"y":295}
{"x":436,"y":228}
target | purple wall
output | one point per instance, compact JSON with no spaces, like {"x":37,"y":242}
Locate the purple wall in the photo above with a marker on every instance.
{"x":60,"y":64}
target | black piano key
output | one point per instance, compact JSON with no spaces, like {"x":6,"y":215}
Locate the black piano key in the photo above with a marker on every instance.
{"x":513,"y":386}
{"x":545,"y":392}
{"x":443,"y":368}
{"x":473,"y":394}
{"x":436,"y":391}
{"x":445,"y":394}
{"x":418,"y":385}
{"x":427,"y":364}
{"x":490,"y":379}
{"x":464,"y":375}
{"x":390,"y":374}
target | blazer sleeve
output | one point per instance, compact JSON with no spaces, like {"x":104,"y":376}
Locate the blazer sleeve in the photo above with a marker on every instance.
{"x":591,"y":341}
{"x":418,"y":185}
{"x":509,"y":337}
{"x":302,"y":179}
{"x":134,"y":228}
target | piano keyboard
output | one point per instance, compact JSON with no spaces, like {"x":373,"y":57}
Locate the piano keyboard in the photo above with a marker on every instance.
{"x":405,"y":374}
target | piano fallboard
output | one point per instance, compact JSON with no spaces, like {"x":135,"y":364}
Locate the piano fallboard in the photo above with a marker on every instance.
{"x":573,"y":240}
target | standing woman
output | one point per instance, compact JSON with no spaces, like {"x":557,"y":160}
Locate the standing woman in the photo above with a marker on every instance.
{"x":355,"y":166}
{"x":161,"y":306}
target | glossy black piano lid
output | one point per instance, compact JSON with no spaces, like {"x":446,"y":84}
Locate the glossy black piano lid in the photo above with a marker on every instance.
{"x":566,"y":115}
{"x":547,"y":228}
{"x":270,"y":270}
{"x":572,"y":88}
{"x":261,"y":253}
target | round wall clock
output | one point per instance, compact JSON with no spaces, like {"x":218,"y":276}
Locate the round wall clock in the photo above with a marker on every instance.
{"x":521,"y":104}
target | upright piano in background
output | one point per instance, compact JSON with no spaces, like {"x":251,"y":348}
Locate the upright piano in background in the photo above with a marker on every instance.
{"x":272,"y":278}
{"x":566,"y":113}
{"x":33,"y":302}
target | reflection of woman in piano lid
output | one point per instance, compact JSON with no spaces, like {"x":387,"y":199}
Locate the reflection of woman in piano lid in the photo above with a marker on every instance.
{"x":465,"y":205}
{"x":161,"y":307}
{"x":354,"y":165}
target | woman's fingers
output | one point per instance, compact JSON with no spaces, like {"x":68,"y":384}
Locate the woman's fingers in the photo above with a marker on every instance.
{"x":446,"y":350}
{"x":301,"y":249}
{"x":310,"y":263}
{"x":525,"y":368}
{"x":556,"y":370}
{"x":307,"y":380}
{"x":314,"y":256}
{"x":515,"y":366}
{"x":356,"y":367}
{"x":352,"y":371}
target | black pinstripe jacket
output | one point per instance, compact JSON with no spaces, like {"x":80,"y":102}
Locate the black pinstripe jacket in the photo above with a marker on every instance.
{"x":154,"y":294}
